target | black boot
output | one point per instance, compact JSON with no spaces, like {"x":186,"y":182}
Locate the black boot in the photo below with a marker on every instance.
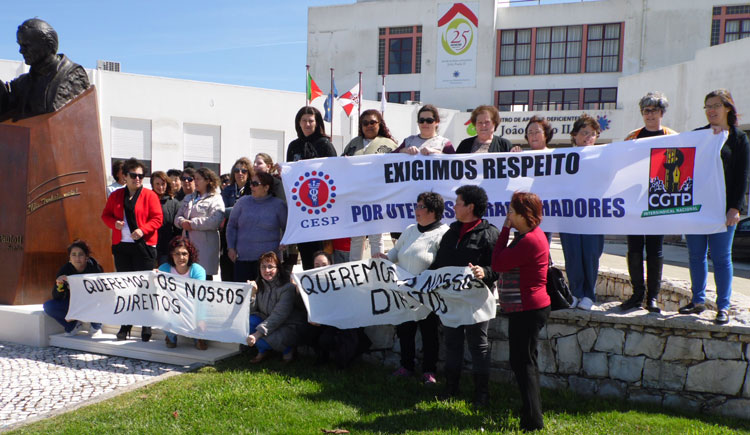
{"x":481,"y":390}
{"x":452,"y":380}
{"x":635,"y":268}
{"x":124,"y":332}
{"x":654,"y":267}
{"x":145,"y":333}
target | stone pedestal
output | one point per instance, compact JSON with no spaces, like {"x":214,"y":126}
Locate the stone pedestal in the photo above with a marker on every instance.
{"x":54,"y":192}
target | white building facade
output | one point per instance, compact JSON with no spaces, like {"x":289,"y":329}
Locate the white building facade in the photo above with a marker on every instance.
{"x":554,"y":60}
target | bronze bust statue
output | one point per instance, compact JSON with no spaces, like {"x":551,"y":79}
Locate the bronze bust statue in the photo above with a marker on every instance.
{"x":52,"y":80}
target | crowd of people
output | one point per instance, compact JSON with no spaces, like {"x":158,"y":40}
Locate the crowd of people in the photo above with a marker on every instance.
{"x":194,"y":223}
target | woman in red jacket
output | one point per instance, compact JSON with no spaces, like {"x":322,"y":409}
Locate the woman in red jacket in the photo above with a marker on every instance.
{"x":134,"y":215}
{"x":529,"y":252}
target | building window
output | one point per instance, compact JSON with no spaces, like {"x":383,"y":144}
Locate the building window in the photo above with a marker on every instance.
{"x":513,"y":101}
{"x":515,"y":52}
{"x":401,"y":96}
{"x":556,"y":99}
{"x":131,"y":137}
{"x":730,"y":23}
{"x":202,"y":146}
{"x":736,"y":29}
{"x":400,"y":50}
{"x":558,"y":50}
{"x":603,"y":48}
{"x":399,"y":56}
{"x":599,"y":98}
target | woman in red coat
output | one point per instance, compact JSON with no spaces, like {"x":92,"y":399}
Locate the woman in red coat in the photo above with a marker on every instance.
{"x":529,"y":252}
{"x":134,"y":215}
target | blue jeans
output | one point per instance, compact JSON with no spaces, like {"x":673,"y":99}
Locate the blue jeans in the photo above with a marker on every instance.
{"x":260,"y":343}
{"x":720,"y":245}
{"x":58,"y":309}
{"x":582,"y":252}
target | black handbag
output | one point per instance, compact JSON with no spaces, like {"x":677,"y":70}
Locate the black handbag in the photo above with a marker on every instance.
{"x":558,"y":290}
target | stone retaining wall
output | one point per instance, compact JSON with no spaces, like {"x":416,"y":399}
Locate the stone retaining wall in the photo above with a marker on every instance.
{"x":667,"y":359}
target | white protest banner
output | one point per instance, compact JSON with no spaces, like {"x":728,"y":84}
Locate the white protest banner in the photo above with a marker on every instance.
{"x":218,"y":311}
{"x":378,"y":292}
{"x":462,"y":299}
{"x":661,"y":185}
{"x":457,"y":31}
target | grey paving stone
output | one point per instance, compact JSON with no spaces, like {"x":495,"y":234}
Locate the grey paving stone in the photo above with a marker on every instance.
{"x":33,"y":380}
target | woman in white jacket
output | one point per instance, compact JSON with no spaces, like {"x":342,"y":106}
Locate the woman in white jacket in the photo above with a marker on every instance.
{"x":415,"y":251}
{"x":200,"y":216}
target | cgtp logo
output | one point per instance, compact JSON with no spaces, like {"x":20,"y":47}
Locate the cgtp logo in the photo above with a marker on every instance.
{"x":314,"y":192}
{"x":670,"y":187}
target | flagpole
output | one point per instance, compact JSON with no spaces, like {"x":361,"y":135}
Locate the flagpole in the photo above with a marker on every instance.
{"x":332,"y":104}
{"x":359,"y":99}
{"x":307,"y":84}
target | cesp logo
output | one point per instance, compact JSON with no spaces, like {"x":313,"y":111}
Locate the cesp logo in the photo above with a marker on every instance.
{"x":314,"y":192}
{"x":670,"y":186}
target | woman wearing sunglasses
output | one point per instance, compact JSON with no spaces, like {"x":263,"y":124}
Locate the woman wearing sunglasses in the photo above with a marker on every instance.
{"x":200,"y":216}
{"x":374,"y":138}
{"x":255,"y":226}
{"x":428,"y":141}
{"x":134,"y":215}
{"x":241,"y":173}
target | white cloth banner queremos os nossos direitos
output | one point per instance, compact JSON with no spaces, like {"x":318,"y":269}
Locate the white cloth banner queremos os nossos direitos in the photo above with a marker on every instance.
{"x":378,"y":292}
{"x":218,"y":311}
{"x":661,"y":185}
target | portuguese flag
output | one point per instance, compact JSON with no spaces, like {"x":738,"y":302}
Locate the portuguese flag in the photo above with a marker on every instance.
{"x":313,"y":91}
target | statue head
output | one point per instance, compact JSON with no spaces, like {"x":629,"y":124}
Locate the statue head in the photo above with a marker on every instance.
{"x":37,"y":41}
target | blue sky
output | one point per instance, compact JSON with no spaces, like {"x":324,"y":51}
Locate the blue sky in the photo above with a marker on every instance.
{"x":245,"y":42}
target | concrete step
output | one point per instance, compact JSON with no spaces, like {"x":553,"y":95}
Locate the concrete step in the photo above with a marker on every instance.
{"x":184,"y":354}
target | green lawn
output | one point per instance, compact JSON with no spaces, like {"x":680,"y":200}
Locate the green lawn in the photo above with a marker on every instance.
{"x":237,"y":397}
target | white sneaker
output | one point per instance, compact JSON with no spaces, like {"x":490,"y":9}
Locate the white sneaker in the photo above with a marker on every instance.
{"x":575,"y":302}
{"x":95,"y":333}
{"x":585,"y":304}
{"x":76,"y":329}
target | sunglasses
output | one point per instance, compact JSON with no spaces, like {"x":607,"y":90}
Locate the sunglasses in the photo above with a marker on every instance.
{"x":135,"y":175}
{"x":255,"y":183}
{"x":237,"y":170}
{"x":187,"y":179}
{"x":427,"y":120}
{"x":369,"y":123}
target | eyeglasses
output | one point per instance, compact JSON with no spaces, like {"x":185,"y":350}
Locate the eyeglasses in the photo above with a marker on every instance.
{"x":135,"y":175}
{"x":427,"y":120}
{"x":649,"y":110}
{"x":712,"y":106}
{"x":255,"y":183}
{"x":369,"y":123}
{"x":421,"y":207}
{"x":238,"y":170}
{"x":187,"y":179}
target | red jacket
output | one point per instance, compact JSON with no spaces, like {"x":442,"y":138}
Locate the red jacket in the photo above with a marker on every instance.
{"x":531,"y":255}
{"x":148,"y":214}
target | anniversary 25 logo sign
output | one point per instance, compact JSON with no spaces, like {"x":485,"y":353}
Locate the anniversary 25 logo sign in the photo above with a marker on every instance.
{"x":670,"y":188}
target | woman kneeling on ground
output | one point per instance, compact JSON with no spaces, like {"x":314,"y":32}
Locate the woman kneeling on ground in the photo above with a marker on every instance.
{"x":79,"y":261}
{"x":529,"y":252}
{"x":183,"y":261}
{"x":274,"y":323}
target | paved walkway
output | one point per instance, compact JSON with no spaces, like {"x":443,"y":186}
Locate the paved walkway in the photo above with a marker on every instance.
{"x":36,"y":381}
{"x":675,"y":264}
